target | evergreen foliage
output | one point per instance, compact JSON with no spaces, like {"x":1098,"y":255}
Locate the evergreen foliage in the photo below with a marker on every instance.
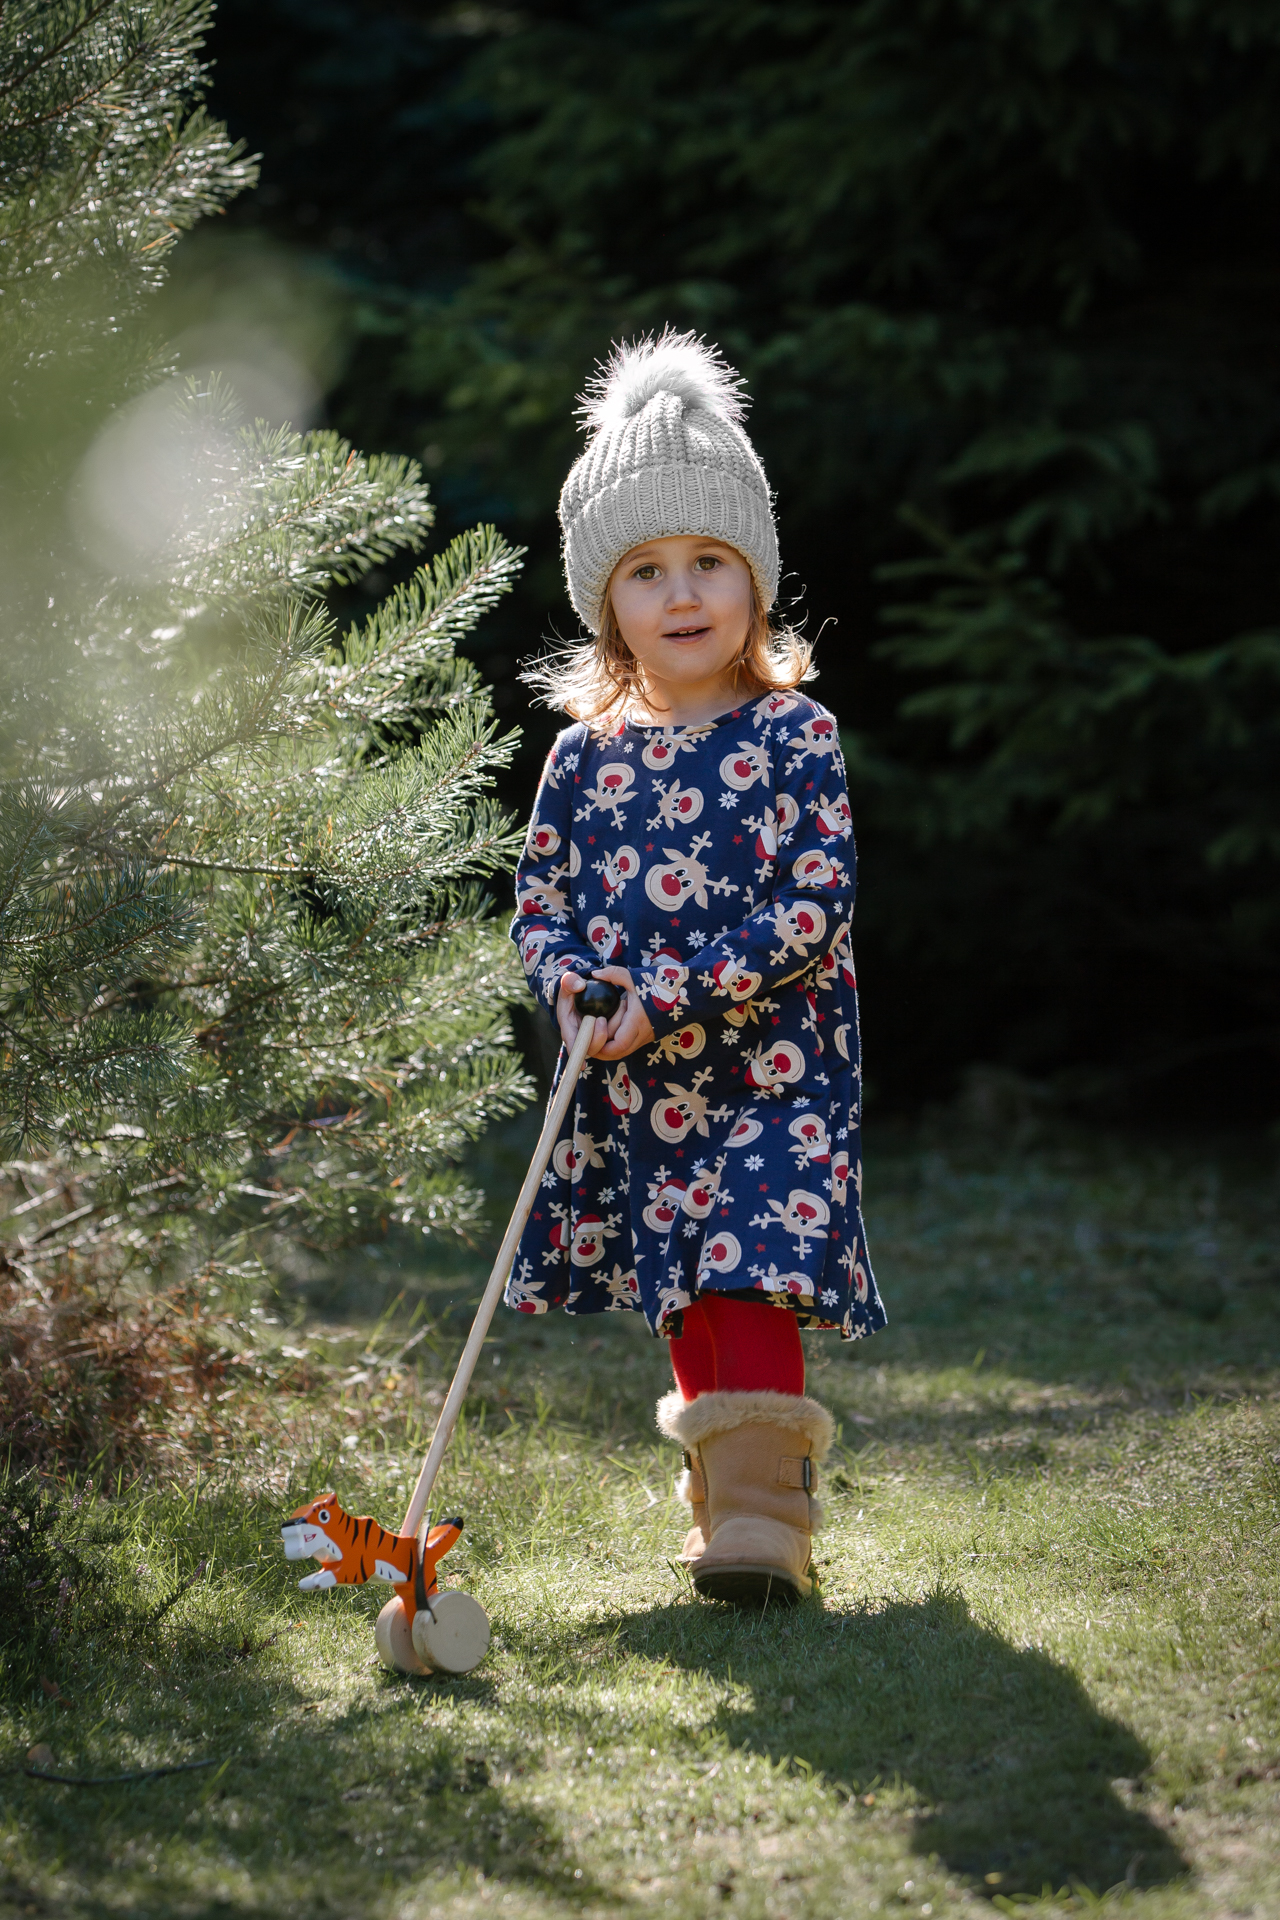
{"x":1008,"y":266}
{"x":248,"y":980}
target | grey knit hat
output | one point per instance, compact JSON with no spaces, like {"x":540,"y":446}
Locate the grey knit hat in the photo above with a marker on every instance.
{"x":667,"y":455}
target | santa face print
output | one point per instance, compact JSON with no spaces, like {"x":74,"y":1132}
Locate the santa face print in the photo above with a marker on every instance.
{"x":605,"y":936}
{"x":624,"y":1095}
{"x":811,"y":1145}
{"x":668,"y":979}
{"x":617,"y":868}
{"x":835,"y":821}
{"x":814,"y":869}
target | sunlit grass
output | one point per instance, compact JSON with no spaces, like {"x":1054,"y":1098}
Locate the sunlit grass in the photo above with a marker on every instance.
{"x":1042,"y":1670}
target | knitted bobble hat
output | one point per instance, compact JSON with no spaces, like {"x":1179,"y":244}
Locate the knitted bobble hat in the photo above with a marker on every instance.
{"x":667,"y":455}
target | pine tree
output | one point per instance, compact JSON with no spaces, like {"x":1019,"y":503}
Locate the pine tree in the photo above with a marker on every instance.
{"x":249,"y":982}
{"x":1007,"y":264}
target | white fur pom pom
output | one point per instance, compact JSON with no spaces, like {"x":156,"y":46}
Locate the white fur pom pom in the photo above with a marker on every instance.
{"x":676,"y":363}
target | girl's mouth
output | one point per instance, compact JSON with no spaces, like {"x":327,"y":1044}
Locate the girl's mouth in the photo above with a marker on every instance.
{"x":686,"y":633}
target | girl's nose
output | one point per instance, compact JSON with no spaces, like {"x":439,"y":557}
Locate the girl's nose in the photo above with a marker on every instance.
{"x":683,"y":592}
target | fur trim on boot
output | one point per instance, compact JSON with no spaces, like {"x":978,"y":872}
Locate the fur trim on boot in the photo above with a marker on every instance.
{"x":690,"y":1487}
{"x":758,"y":1455}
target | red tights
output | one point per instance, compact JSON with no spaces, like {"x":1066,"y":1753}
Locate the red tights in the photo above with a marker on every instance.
{"x":737,"y":1346}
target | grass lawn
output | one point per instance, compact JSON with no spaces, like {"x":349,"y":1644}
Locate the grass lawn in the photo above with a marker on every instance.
{"x":1043,"y":1672}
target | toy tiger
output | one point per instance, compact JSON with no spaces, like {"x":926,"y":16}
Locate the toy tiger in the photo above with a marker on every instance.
{"x":359,"y":1549}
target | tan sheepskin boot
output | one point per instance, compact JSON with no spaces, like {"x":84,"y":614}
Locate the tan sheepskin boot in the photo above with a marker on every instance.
{"x":757,"y":1456}
{"x":690,"y":1487}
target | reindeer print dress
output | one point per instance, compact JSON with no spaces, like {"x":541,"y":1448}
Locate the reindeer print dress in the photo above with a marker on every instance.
{"x":716,"y":863}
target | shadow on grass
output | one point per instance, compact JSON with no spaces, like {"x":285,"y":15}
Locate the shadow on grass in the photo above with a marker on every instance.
{"x":1012,"y":1762}
{"x":306,"y":1816}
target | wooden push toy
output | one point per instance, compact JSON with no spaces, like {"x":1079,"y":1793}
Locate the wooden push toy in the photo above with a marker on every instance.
{"x":424,"y":1628}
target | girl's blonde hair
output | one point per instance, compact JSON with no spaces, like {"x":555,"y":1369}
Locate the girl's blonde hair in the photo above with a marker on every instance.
{"x":594,"y":680}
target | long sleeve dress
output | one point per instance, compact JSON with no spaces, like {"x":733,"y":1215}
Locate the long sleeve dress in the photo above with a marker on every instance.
{"x":716,"y":863}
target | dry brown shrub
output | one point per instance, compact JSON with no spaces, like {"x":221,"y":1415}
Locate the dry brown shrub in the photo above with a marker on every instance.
{"x":94,"y":1372}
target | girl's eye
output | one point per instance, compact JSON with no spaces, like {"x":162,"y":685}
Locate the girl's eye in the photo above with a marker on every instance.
{"x":706,"y":561}
{"x":647,"y":572}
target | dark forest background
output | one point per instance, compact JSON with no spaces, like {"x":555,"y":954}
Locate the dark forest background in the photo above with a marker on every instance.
{"x":1003,"y":277}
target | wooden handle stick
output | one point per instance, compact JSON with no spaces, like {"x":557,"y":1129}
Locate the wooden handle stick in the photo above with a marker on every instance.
{"x":498,"y":1278}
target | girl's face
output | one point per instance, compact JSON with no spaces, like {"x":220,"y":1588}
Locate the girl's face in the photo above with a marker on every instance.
{"x":683,"y":606}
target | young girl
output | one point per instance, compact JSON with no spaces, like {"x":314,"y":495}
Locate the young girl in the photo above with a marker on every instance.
{"x":691,"y":842}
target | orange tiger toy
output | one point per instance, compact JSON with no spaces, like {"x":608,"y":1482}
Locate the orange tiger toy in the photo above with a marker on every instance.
{"x":359,"y":1549}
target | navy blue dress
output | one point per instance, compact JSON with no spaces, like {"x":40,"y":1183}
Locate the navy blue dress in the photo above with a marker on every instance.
{"x":716,"y":862}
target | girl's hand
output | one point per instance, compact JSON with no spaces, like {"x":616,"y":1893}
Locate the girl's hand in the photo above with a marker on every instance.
{"x":629,"y":1028}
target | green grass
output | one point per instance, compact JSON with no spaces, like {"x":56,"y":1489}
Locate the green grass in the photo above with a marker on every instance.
{"x":1043,"y":1671}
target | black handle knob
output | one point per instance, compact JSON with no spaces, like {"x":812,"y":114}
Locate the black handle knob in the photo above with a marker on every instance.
{"x":598,"y":1000}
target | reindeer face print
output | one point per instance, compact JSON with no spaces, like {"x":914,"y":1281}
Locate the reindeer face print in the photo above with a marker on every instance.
{"x":606,"y":937}
{"x":813,"y":869}
{"x":774,"y":705}
{"x":677,"y":807}
{"x":747,"y":1130}
{"x":804,"y":1214}
{"x":542,"y":840}
{"x":589,"y":1236}
{"x":734,"y":980}
{"x":778,"y":1065}
{"x":663,"y":1210}
{"x":797,"y":1284}
{"x":542,"y":902}
{"x":701,"y":1196}
{"x":835,"y":821}
{"x":571,"y":1156}
{"x":685,"y":1110}
{"x":687,"y":1044}
{"x":742,"y":769}
{"x":623,"y":1094}
{"x":685,"y":877}
{"x":799,"y":927}
{"x":842,"y":1039}
{"x":611,"y":792}
{"x":624,"y":1288}
{"x":617,"y":868}
{"x":812,"y":1147}
{"x":722,"y":1253}
{"x":788,"y":813}
{"x":839,"y":1177}
{"x":662,"y":749}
